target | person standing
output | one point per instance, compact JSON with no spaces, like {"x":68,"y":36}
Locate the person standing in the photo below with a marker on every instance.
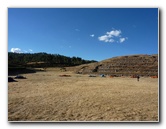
{"x":138,"y":77}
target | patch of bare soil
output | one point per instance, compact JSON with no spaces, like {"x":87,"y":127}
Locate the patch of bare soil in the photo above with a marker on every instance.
{"x":45,"y":96}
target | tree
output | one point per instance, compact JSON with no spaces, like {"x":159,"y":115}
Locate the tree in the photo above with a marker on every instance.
{"x":51,"y":60}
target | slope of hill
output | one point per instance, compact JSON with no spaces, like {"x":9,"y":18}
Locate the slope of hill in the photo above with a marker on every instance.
{"x":143,"y":65}
{"x":21,"y":63}
{"x":43,"y":60}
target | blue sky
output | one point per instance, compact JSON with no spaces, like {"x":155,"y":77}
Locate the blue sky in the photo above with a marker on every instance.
{"x":89,"y":33}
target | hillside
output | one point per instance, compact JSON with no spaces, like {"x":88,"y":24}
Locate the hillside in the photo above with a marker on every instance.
{"x":143,"y":65}
{"x":21,"y":63}
{"x":43,"y":60}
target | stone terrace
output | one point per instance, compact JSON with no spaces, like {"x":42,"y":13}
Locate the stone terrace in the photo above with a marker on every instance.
{"x":143,"y":65}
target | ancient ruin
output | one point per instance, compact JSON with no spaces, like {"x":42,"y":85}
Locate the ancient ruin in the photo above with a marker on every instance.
{"x":142,"y":65}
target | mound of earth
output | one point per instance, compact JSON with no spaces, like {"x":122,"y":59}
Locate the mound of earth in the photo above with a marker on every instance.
{"x":143,"y":65}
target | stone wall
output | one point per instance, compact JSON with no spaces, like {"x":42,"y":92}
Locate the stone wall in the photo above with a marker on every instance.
{"x":143,"y":65}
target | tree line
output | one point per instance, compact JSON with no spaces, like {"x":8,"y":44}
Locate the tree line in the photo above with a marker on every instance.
{"x":48,"y":60}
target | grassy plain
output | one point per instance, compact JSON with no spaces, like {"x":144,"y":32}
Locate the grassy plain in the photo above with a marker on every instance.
{"x":45,"y":96}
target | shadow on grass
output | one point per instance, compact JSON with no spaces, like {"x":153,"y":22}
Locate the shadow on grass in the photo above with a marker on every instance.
{"x":16,"y":71}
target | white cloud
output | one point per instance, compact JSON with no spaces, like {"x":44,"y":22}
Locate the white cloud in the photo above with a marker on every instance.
{"x":30,"y":50}
{"x":16,"y":50}
{"x":121,"y":40}
{"x":115,"y":33}
{"x":112,"y":36}
{"x":104,"y":38}
{"x":111,"y":40}
{"x":92,"y":35}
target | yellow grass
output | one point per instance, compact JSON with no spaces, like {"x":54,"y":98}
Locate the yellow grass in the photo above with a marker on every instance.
{"x":45,"y":96}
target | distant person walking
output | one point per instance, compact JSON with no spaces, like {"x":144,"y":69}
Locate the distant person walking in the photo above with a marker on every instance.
{"x":138,"y":77}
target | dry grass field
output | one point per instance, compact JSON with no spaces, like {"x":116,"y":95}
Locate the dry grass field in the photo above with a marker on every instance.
{"x":45,"y":96}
